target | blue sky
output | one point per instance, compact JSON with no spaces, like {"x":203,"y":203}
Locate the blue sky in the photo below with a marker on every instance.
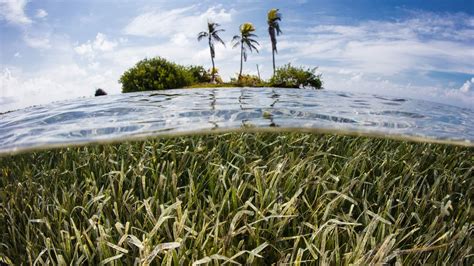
{"x":55,"y":50}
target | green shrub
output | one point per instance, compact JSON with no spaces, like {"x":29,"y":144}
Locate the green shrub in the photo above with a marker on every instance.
{"x":289,"y":76}
{"x":217,"y":78}
{"x":155,"y":74}
{"x":248,"y":81}
{"x":199,"y":74}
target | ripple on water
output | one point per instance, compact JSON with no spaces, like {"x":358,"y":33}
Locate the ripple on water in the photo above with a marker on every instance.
{"x":177,"y":111}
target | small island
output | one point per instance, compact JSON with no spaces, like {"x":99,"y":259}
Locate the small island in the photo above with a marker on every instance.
{"x":160,"y":74}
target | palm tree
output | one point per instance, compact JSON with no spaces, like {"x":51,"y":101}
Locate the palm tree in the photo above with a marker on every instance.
{"x":246,"y":42}
{"x":273,"y":18}
{"x":212,"y":34}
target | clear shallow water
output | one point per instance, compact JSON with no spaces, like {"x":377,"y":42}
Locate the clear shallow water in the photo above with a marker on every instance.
{"x":133,"y":115}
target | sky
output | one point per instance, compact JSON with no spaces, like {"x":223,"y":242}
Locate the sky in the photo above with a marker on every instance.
{"x":53,"y":50}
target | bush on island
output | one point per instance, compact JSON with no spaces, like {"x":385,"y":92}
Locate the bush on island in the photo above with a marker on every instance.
{"x":155,"y":74}
{"x":199,"y":74}
{"x":217,"y":78}
{"x":246,"y":80}
{"x":289,"y":76}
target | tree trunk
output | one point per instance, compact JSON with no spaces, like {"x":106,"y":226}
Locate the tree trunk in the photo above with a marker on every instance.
{"x":212,"y":60}
{"x":241,"y":57}
{"x":213,"y":77}
{"x":273,"y":55}
{"x":271,"y":32}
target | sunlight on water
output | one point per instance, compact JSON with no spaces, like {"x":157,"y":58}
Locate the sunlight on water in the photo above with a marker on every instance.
{"x":134,"y":115}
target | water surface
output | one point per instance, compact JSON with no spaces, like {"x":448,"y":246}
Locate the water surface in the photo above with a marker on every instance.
{"x":138,"y":115}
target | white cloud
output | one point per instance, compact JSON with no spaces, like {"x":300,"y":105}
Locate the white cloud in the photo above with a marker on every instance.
{"x":438,"y":27}
{"x":13,"y":11}
{"x":102,"y":44}
{"x":84,"y":49}
{"x":91,"y":48}
{"x":20,"y":89}
{"x":176,"y":50}
{"x":41,"y":13}
{"x":17,"y":54}
{"x":63,"y":76}
{"x":376,"y":56}
{"x":425,"y":43}
{"x":467,"y":86}
{"x":186,"y":21}
{"x":352,"y":81}
{"x":39,"y":42}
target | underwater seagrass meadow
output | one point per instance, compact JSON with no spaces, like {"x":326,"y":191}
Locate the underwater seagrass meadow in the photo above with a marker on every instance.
{"x":240,"y":198}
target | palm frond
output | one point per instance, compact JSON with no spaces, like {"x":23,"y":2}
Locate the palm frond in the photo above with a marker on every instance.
{"x":218,"y":38}
{"x":236,"y":40}
{"x":247,"y":44}
{"x":254,"y":47}
{"x":277,"y":28}
{"x":253,"y":41}
{"x":212,"y":31}
{"x":202,"y":35}
{"x":250,"y":44}
{"x":273,"y":39}
{"x":246,"y":28}
{"x":211,"y":26}
{"x":274,"y":27}
{"x":273,"y":15}
{"x":235,"y":45}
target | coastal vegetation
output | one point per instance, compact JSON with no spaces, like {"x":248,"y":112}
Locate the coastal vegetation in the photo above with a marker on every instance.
{"x":240,"y":198}
{"x":246,"y":80}
{"x":212,"y":35}
{"x":273,"y":20}
{"x":289,"y":76}
{"x":246,"y":42}
{"x":200,"y":75}
{"x":155,"y":74}
{"x":160,"y":74}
